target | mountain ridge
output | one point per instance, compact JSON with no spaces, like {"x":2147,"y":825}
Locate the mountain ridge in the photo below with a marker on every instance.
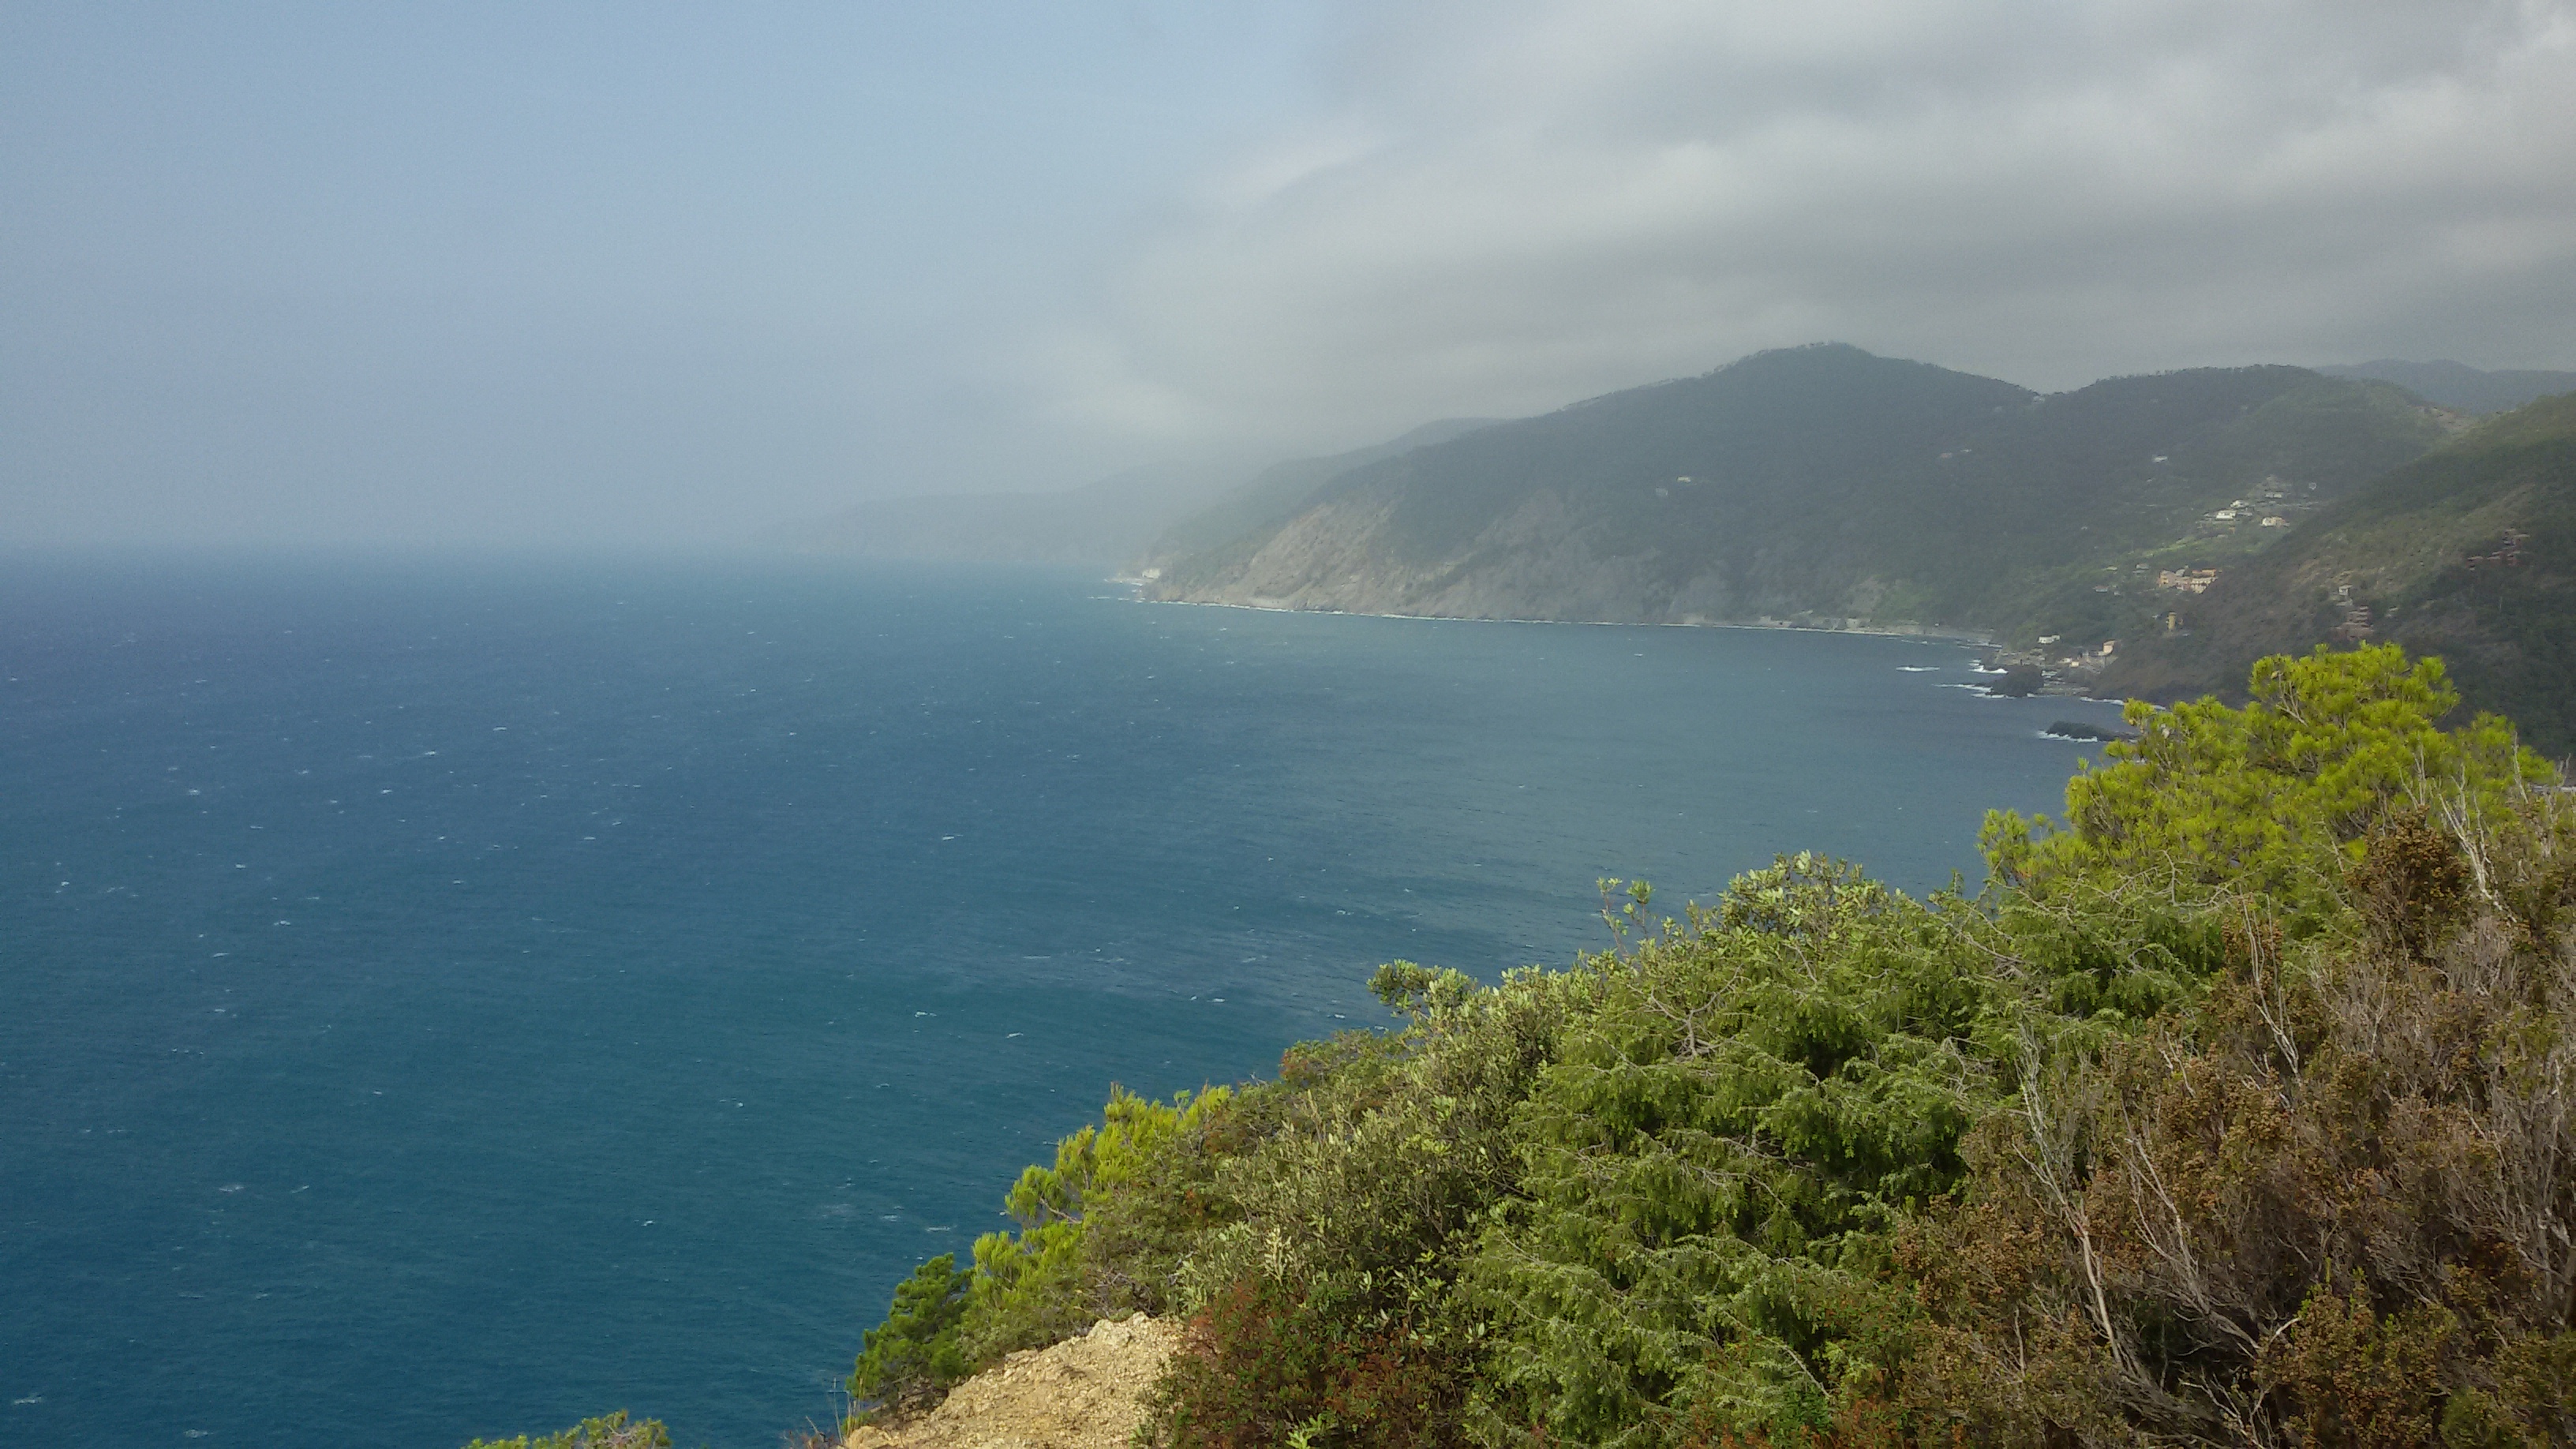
{"x":2457,"y":385}
{"x":1820,"y":485}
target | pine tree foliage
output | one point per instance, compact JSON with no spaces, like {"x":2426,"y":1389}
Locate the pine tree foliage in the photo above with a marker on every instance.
{"x":2272,"y":798}
{"x":908,"y":1362}
{"x":1036,"y":1286}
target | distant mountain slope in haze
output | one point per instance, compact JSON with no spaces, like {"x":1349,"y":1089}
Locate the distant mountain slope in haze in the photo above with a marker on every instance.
{"x":1282,"y":489}
{"x":2469,"y":552}
{"x":1100,"y":523}
{"x":1145,"y":513}
{"x":1817,"y":484}
{"x":2456,"y":385}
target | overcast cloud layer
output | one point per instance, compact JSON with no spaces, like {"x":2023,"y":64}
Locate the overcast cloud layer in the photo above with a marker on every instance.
{"x":621,"y":273}
{"x":1508,"y":205}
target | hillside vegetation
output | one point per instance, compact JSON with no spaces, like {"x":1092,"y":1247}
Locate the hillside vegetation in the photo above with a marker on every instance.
{"x":1822,"y":485}
{"x":2469,"y":552}
{"x":2240,"y":1108}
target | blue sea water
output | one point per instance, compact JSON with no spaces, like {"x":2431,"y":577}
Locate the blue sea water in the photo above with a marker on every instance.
{"x":450,"y":997}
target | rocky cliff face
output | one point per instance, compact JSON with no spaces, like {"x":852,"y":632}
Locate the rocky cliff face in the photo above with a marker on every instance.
{"x":1539,"y":561}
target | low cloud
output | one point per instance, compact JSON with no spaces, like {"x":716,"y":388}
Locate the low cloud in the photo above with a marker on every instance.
{"x":1503,"y":207}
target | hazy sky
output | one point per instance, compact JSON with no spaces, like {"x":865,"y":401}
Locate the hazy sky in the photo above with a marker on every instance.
{"x":551,"y":273}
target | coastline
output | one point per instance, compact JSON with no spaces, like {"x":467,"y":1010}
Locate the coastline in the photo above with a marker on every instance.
{"x":1897,"y":629}
{"x":2051,"y":687}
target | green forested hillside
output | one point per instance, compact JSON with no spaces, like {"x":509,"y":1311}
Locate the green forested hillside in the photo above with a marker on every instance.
{"x":1819,"y":484}
{"x":2469,"y":552}
{"x":2240,"y":1110}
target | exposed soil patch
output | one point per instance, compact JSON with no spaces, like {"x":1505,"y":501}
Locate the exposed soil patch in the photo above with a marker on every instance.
{"x":1084,"y":1393}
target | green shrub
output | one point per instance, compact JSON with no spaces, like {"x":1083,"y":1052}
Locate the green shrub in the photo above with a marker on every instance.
{"x":1101,"y":1233}
{"x":2272,"y":799}
{"x":611,"y":1432}
{"x":1061,"y":1271}
{"x":908,"y":1361}
{"x":1264,"y":1365}
{"x":1715,"y":1166}
{"x":1326,"y":1311}
{"x":2318,"y":1206}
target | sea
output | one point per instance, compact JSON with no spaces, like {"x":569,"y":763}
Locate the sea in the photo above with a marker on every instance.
{"x":450,"y":996}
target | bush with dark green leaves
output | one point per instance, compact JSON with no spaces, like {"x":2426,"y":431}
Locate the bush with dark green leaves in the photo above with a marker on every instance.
{"x":908,"y":1362}
{"x":1099,"y":1231}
